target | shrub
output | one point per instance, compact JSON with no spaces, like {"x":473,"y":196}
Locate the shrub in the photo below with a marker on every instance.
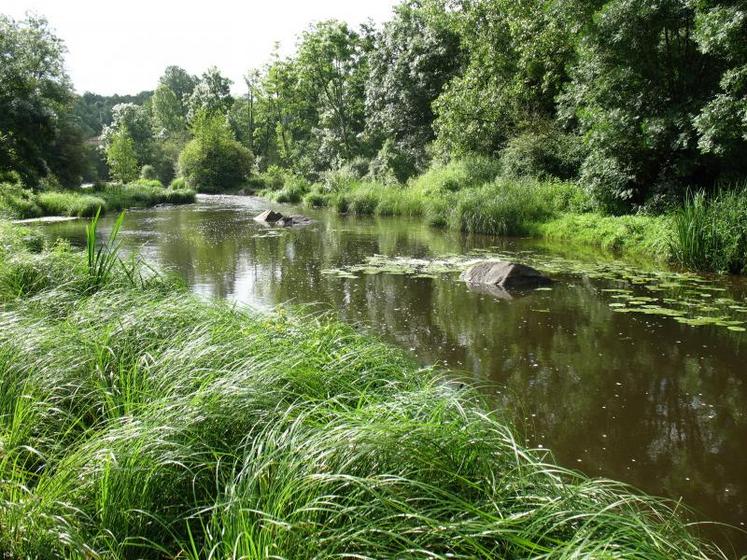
{"x":274,"y":178}
{"x":148,"y":183}
{"x":338,"y":180}
{"x":148,"y":172}
{"x":315,"y":199}
{"x":543,"y":154}
{"x":214,"y":161}
{"x":458,"y":174}
{"x":18,"y":202}
{"x":394,"y":163}
{"x":178,"y":184}
{"x":294,"y":190}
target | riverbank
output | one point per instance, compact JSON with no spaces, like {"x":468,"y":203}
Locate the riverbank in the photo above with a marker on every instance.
{"x":137,"y":419}
{"x":19,"y":203}
{"x":704,"y":233}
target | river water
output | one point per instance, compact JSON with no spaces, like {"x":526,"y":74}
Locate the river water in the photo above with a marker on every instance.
{"x":622,"y":370}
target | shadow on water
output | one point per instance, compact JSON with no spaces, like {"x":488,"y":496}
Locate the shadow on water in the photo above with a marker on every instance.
{"x":638,"y":397}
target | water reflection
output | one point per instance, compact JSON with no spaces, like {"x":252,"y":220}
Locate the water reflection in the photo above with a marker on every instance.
{"x":634,"y":397}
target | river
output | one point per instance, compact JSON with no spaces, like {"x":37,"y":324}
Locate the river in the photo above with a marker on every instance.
{"x":622,"y":370}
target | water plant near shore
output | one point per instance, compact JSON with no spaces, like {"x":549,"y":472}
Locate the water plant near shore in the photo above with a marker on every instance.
{"x":137,"y":420}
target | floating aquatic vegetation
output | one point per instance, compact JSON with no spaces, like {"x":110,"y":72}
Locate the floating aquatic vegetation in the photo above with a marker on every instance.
{"x":338,"y":273}
{"x":685,"y":297}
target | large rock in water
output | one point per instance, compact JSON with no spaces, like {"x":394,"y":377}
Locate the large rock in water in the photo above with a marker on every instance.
{"x":269,"y":217}
{"x":277,"y":219}
{"x":505,"y":274}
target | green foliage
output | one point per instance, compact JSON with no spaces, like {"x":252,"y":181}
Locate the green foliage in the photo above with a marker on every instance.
{"x":122,"y":157}
{"x":638,"y":80}
{"x":293,"y":191}
{"x":143,"y":194}
{"x":711,"y":233}
{"x":518,"y":53}
{"x":635,"y":234}
{"x":169,"y":112}
{"x":131,"y":121}
{"x":214,"y":161}
{"x":720,"y":30}
{"x":331,"y":69}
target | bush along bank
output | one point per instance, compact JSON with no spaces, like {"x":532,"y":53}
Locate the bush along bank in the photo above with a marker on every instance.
{"x":707,"y":233}
{"x":137,"y":420}
{"x":20,"y":203}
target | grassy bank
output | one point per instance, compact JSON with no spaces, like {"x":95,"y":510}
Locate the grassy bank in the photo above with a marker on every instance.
{"x":704,"y":233}
{"x":18,"y":202}
{"x":139,"y":421}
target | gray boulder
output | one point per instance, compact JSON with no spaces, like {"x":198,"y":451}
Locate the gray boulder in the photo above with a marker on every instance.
{"x":269,"y":217}
{"x":506,"y":275}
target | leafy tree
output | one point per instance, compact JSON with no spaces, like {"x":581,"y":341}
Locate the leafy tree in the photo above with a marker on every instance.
{"x":122,"y":156}
{"x":721,"y":31}
{"x":135,"y":120}
{"x":331,"y":66}
{"x":36,"y":136}
{"x":212,"y":94}
{"x":415,"y":56}
{"x":638,"y":81}
{"x":214,"y":161}
{"x":518,"y":52}
{"x":291,"y":116}
{"x":181,"y":82}
{"x":169,"y":118}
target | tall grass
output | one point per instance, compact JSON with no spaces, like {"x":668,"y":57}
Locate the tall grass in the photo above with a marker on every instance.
{"x":141,"y":422}
{"x":102,"y":259}
{"x":711,"y":233}
{"x":19,"y":202}
{"x":70,"y":204}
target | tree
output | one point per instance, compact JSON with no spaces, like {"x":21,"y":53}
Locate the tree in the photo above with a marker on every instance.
{"x":212,"y":94}
{"x":414,"y":57}
{"x":135,"y":120}
{"x":331,"y":67}
{"x":639,"y":80}
{"x":35,"y":100}
{"x":214,"y":161}
{"x":169,"y":118}
{"x":518,"y":52}
{"x":122,"y":157}
{"x":181,"y":82}
{"x":721,"y":31}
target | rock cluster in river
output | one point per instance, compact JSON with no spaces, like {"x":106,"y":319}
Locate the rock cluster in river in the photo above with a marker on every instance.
{"x":270,"y":217}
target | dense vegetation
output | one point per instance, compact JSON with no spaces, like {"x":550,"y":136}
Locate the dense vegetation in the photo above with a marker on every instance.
{"x":139,"y":421}
{"x":640,"y":105}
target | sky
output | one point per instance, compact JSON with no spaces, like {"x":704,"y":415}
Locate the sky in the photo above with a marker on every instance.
{"x":124,"y":46}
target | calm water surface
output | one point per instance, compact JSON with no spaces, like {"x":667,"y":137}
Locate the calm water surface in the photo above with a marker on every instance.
{"x":639,"y":398}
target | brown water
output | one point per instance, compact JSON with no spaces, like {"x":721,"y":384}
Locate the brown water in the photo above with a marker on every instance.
{"x":637,"y":397}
